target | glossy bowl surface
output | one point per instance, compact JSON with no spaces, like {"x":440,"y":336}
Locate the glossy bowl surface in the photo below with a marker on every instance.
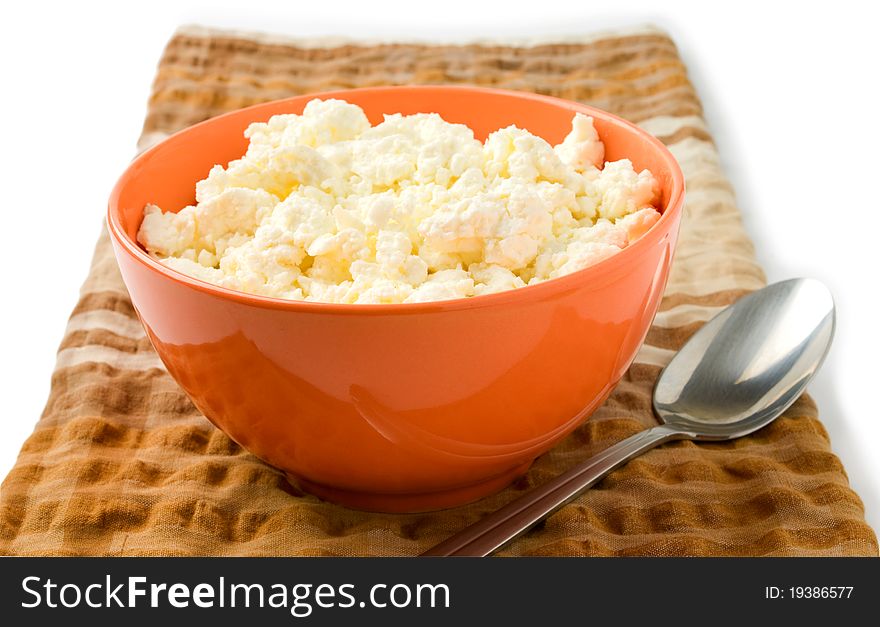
{"x":403,"y":407}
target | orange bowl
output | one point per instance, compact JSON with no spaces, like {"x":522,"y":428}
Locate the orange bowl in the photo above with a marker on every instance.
{"x":404,"y":407}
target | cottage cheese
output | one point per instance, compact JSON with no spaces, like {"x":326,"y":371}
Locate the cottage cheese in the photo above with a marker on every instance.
{"x":325,"y":207}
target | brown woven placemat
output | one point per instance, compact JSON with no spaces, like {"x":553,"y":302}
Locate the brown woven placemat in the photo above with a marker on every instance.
{"x":121,"y":463}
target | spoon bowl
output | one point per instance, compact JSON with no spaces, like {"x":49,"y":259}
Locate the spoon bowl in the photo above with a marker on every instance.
{"x":738,"y":373}
{"x":748,"y":364}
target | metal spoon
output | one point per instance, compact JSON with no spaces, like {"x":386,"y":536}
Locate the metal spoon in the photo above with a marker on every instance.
{"x":738,"y":373}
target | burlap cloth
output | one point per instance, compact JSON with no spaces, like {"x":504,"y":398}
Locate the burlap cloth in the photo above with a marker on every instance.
{"x":121,"y":463}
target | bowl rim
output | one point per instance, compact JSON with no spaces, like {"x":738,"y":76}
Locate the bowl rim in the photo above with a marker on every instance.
{"x":561,"y":284}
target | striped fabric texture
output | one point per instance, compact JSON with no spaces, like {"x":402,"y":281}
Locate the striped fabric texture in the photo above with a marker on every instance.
{"x":121,"y":463}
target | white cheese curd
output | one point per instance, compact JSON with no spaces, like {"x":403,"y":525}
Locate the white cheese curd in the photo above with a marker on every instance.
{"x":325,"y":207}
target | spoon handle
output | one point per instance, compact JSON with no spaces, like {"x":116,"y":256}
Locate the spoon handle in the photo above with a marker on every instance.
{"x":492,"y":532}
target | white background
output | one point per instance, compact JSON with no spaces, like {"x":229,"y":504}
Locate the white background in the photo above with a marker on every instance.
{"x":790,"y":94}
